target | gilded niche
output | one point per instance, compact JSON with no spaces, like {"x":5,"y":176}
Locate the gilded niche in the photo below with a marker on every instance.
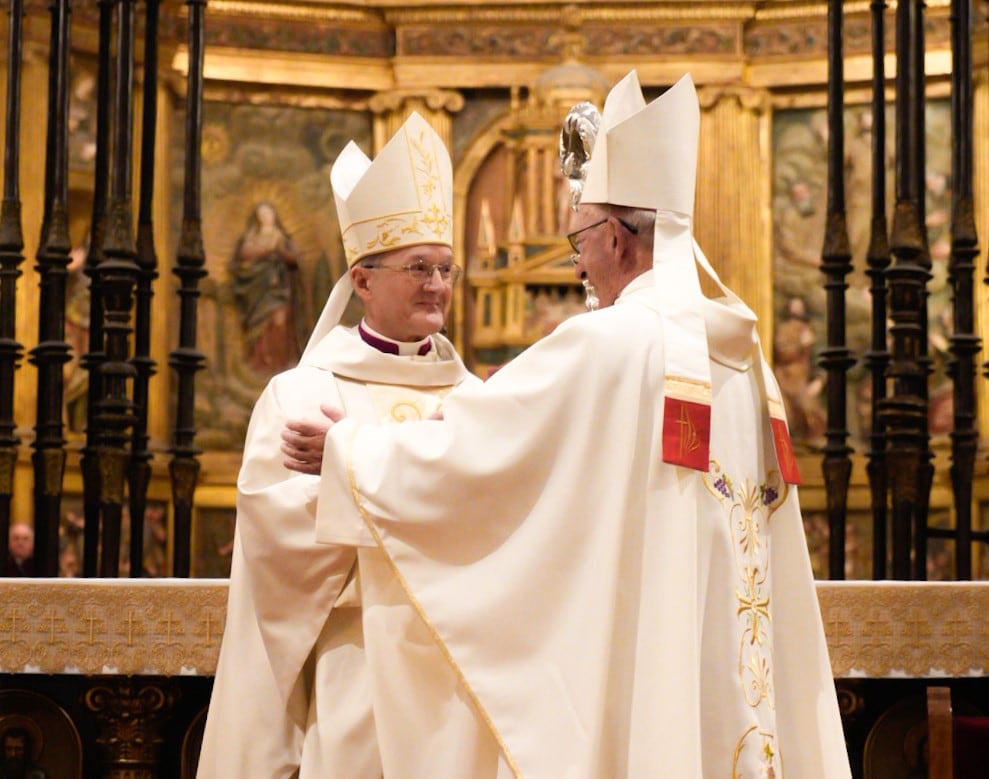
{"x":520,"y":279}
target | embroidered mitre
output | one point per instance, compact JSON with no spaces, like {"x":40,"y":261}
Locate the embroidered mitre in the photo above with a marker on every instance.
{"x":403,"y":198}
{"x":645,"y":156}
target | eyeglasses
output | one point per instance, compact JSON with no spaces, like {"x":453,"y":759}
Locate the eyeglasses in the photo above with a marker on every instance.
{"x":422,"y":272}
{"x":575,"y":245}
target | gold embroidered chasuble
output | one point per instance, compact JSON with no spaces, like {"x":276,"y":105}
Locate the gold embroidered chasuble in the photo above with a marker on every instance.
{"x":610,"y":615}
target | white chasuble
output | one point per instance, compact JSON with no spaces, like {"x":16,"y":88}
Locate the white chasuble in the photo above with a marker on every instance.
{"x":610,"y":615}
{"x":278,"y":642}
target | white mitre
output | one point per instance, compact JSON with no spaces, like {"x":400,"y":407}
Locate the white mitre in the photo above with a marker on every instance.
{"x":658,"y":140}
{"x":403,"y":198}
{"x":645,"y":156}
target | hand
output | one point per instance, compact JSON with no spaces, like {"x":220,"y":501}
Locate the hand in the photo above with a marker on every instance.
{"x":302,"y":440}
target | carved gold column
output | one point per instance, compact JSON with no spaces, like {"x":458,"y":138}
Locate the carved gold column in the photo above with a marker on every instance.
{"x":163,"y":302}
{"x":34,"y":113}
{"x":130,"y":713}
{"x":436,"y":106}
{"x":980,"y":186}
{"x":733,"y":223}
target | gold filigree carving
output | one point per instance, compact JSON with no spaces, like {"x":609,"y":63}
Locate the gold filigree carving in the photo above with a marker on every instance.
{"x":130,"y":716}
{"x":749,"y":98}
{"x":801,"y":10}
{"x":393,"y":101}
{"x":611,"y":13}
{"x":307,"y":12}
{"x":537,"y":41}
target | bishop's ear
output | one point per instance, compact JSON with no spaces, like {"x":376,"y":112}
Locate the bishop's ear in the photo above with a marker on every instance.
{"x":361,"y":277}
{"x":617,"y":237}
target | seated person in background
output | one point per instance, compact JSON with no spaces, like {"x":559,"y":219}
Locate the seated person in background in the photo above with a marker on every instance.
{"x":20,"y":550}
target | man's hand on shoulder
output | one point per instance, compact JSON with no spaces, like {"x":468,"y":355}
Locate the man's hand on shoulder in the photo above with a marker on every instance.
{"x":303,"y":439}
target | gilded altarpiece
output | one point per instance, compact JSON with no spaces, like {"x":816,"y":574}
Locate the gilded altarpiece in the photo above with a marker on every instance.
{"x":288,"y":85}
{"x":519,"y":282}
{"x":273,"y":249}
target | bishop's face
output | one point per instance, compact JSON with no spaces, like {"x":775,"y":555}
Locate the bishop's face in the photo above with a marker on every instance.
{"x":396,"y":304}
{"x":595,"y":240}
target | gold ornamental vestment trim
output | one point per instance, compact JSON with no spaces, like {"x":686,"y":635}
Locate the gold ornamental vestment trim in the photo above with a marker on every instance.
{"x":373,"y":529}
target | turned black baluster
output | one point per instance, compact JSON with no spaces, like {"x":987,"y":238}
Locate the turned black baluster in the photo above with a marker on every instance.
{"x":904,"y":412}
{"x":92,"y":361}
{"x":836,"y":358}
{"x":190,"y":261}
{"x":52,"y":352}
{"x":139,"y":471}
{"x":964,"y":250}
{"x":877,"y":258}
{"x":924,"y":358}
{"x":983,"y":535}
{"x":117,"y":274}
{"x":11,"y":256}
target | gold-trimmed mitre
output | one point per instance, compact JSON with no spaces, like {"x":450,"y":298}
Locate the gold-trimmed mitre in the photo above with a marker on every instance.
{"x":645,"y":156}
{"x":403,"y":198}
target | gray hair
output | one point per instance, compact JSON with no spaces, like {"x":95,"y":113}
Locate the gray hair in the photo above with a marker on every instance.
{"x":643,"y":219}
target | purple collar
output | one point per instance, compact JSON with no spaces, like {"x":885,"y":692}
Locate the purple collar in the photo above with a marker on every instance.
{"x":388,"y":346}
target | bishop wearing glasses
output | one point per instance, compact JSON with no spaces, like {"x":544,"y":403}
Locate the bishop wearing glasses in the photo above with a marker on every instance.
{"x":604,"y":539}
{"x":293,"y":693}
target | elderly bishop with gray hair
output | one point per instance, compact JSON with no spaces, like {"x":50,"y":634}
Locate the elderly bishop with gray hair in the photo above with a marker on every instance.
{"x":604,"y":538}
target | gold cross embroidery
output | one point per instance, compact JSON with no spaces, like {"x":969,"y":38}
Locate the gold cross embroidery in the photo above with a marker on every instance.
{"x":689,"y":440}
{"x":756,"y":606}
{"x":435,"y":219}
